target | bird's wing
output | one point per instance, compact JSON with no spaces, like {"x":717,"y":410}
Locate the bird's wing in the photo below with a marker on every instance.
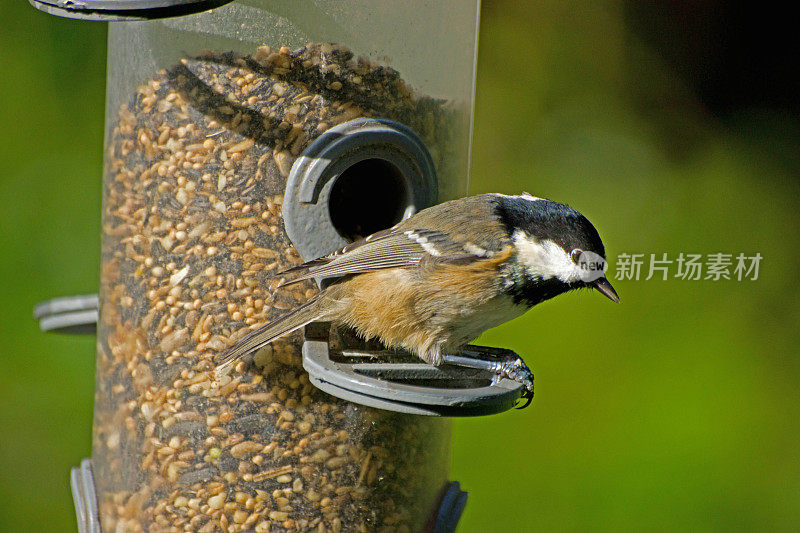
{"x":394,"y":248}
{"x":459,"y":231}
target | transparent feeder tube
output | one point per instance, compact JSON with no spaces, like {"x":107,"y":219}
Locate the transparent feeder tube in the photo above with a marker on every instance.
{"x":206,"y":115}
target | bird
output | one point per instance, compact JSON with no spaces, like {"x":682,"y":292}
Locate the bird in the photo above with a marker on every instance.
{"x":435,"y":281}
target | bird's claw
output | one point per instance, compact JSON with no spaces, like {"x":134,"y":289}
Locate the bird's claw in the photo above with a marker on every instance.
{"x":509,"y":366}
{"x":515,"y":369}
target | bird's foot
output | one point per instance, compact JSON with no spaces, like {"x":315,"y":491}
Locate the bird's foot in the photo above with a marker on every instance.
{"x":516,"y":370}
{"x":509,"y":365}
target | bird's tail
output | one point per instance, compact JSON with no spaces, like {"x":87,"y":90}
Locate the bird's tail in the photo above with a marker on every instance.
{"x":291,"y":321}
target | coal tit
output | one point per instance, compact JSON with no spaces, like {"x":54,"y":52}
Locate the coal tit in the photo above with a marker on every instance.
{"x":437,"y":280}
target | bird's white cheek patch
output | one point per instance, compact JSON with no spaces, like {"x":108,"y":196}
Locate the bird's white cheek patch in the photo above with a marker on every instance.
{"x":545,"y":259}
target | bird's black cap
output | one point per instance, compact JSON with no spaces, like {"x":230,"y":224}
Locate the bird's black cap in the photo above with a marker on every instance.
{"x":545,"y":219}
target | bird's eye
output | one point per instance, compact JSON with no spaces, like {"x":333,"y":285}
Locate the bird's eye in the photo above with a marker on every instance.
{"x":576,"y":254}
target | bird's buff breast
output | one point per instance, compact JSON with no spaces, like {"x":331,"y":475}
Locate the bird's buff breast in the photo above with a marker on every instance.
{"x":427,"y":313}
{"x":486,"y":316}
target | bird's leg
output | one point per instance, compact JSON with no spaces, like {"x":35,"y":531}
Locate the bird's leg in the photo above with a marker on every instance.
{"x":509,"y":365}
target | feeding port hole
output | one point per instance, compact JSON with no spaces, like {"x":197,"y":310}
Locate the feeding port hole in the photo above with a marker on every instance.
{"x":369,"y":196}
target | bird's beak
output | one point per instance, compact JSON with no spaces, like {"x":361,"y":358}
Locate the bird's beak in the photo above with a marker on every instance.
{"x":605,"y":288}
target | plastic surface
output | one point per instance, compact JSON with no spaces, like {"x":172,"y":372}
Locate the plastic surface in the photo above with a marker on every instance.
{"x":402,"y":383}
{"x":206,"y":116}
{"x":70,"y":314}
{"x":432,"y":45}
{"x":450,"y":509}
{"x":84,"y":498}
{"x":120,"y":10}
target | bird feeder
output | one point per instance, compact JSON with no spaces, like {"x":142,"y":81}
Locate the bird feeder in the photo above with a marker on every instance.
{"x":240,"y":142}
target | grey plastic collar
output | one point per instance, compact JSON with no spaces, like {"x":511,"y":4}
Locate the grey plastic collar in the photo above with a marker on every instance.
{"x":306,"y":203}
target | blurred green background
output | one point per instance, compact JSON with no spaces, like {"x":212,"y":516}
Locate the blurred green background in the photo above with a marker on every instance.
{"x":673,"y":126}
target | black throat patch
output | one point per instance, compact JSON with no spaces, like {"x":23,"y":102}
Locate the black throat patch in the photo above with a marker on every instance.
{"x":528,"y":291}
